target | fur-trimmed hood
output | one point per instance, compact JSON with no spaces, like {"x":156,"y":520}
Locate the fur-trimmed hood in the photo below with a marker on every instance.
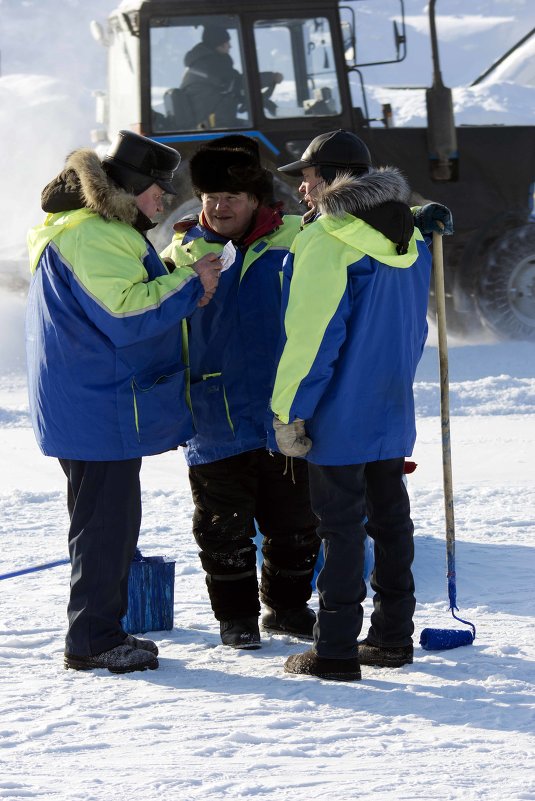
{"x":83,"y":183}
{"x":379,"y":197}
{"x":350,"y":194}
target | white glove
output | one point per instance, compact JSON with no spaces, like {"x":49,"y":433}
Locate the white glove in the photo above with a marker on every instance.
{"x":291,"y":437}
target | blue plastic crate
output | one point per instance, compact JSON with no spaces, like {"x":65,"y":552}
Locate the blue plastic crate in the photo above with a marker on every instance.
{"x":151,"y":593}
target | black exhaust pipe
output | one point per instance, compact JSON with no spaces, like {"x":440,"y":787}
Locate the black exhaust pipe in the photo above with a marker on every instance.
{"x":441,"y":134}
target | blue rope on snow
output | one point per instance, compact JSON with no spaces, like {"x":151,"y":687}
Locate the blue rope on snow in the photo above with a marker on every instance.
{"x":138,"y":557}
{"x":34,"y":569}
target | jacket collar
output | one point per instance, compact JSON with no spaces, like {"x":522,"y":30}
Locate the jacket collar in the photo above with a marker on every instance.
{"x":379,"y":197}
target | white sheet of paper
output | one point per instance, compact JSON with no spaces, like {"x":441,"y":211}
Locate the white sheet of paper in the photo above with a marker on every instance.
{"x":228,"y":254}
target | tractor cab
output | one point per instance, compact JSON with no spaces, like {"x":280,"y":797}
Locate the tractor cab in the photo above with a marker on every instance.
{"x":200,"y":81}
{"x":182,"y":71}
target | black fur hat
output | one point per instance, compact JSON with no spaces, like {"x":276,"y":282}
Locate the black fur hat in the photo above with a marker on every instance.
{"x":235,"y":142}
{"x":229,"y":169}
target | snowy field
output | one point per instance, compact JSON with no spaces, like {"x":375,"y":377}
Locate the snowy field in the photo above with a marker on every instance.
{"x":216,"y":724}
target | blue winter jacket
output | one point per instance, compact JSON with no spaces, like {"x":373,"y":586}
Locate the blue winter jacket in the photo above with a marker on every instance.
{"x":354,"y":329}
{"x":104,"y":339}
{"x":233,"y":341}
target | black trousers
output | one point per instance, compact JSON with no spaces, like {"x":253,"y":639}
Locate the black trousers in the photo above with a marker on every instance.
{"x":104,"y":503}
{"x":342,"y":497}
{"x":229,"y":495}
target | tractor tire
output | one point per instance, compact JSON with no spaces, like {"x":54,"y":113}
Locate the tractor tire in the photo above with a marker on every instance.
{"x":506,"y":292}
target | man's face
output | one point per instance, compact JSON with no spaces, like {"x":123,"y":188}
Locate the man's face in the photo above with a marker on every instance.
{"x":229,"y":213}
{"x":224,"y":48}
{"x":150,"y":202}
{"x":311,"y":179}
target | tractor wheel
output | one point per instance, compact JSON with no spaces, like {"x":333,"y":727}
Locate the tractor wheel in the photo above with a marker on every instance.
{"x":506,"y":291}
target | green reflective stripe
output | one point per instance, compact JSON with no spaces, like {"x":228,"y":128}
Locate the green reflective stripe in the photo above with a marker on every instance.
{"x":318,"y":283}
{"x":225,"y":400}
{"x":205,"y":377}
{"x":136,"y":416}
{"x":185,"y":359}
{"x":231,"y":424}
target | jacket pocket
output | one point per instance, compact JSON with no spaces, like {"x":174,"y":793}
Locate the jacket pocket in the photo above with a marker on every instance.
{"x":211,"y":413}
{"x":160,"y":409}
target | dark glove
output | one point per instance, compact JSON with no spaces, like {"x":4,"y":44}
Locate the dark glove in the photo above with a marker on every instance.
{"x":434,"y":218}
{"x":291,"y":437}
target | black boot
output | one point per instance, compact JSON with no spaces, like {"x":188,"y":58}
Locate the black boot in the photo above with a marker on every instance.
{"x":299,"y":622}
{"x":384,"y":655}
{"x":310,"y":664}
{"x":144,"y":645}
{"x":121,"y":659}
{"x":240,"y":633}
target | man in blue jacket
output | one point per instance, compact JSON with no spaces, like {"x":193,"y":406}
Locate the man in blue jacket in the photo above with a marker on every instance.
{"x":355,"y":292}
{"x":105,"y":375}
{"x":232,"y":351}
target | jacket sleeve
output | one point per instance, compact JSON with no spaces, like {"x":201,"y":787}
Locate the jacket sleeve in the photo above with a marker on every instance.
{"x":175,"y":251}
{"x":111,"y":283}
{"x":314,"y":325}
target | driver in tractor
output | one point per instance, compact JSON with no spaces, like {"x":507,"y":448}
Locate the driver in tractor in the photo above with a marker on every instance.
{"x":212,"y":85}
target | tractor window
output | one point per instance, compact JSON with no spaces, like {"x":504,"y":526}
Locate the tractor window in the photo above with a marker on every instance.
{"x":197,"y":80}
{"x":297,"y":68}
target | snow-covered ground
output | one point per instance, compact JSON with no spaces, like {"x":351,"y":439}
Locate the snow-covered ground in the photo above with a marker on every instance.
{"x":212,"y":724}
{"x":218,"y":724}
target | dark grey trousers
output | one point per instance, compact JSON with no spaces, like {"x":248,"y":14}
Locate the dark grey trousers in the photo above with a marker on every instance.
{"x":342,"y":497}
{"x":104,"y":503}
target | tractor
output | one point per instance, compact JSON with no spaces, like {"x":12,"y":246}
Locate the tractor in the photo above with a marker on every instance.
{"x":296,"y":73}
